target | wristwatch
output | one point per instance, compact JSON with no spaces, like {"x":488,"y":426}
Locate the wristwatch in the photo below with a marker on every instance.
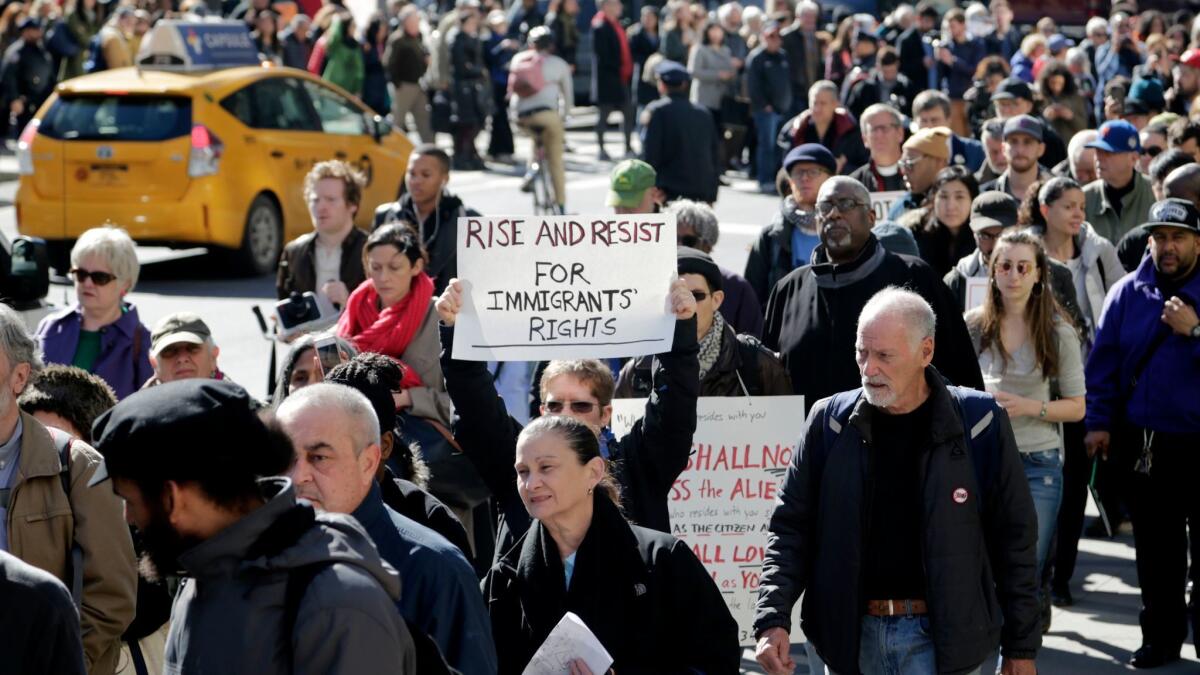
{"x":1195,"y":331}
{"x":1042,"y":415}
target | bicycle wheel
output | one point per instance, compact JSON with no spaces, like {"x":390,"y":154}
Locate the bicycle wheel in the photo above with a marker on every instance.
{"x":543,"y":192}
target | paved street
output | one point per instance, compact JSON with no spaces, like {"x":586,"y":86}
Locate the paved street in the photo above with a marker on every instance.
{"x":1095,"y":636}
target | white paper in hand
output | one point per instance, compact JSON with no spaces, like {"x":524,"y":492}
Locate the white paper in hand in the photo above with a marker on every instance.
{"x":571,"y":639}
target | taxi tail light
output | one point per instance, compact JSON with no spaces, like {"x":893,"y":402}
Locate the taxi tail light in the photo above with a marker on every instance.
{"x":25,"y":148}
{"x":206,"y":154}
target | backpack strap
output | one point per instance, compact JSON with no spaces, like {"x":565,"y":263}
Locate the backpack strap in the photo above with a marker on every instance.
{"x":748,"y":370}
{"x":977,"y":412}
{"x":74,"y":570}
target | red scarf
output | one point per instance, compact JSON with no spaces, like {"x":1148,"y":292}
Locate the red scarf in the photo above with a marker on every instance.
{"x":388,"y":332}
{"x":626,"y":55}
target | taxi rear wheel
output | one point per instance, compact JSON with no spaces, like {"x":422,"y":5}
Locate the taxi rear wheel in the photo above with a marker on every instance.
{"x":262,"y":239}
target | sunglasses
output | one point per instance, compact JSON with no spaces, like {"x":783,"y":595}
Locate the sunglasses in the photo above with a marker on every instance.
{"x":700,"y":296}
{"x":577,"y":407}
{"x":98,"y":278}
{"x":844,"y":205}
{"x":1153,"y":151}
{"x":689,"y":240}
{"x":1023,"y":267}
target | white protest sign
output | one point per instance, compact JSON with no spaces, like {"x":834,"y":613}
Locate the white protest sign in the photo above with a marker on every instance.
{"x":881,"y":203}
{"x":977,"y":288}
{"x":722,"y":502}
{"x":561,"y":287}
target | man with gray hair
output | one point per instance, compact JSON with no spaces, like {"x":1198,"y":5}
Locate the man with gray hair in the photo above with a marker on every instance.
{"x":896,"y":557}
{"x":83,"y":540}
{"x":181,"y":346}
{"x":811,"y":312}
{"x":882,"y":132}
{"x":696,"y":227}
{"x":336,"y":435}
{"x":804,"y":51}
{"x":1081,"y":160}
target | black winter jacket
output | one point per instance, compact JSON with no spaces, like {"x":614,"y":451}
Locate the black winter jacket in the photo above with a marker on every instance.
{"x":978,"y":555}
{"x":439,"y":232}
{"x":643,"y":593}
{"x":761,"y":372}
{"x":648,"y":459}
{"x":683,"y":145}
{"x":812,"y":317}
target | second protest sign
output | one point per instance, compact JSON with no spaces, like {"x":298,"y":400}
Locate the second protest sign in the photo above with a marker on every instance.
{"x":554,"y":287}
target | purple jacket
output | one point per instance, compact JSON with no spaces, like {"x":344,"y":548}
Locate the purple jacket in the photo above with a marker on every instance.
{"x":1167,"y":395}
{"x":124,"y":361}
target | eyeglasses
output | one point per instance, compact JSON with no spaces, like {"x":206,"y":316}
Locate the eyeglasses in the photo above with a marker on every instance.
{"x":1023,"y":267}
{"x":910,"y":162}
{"x":578,"y":407}
{"x":98,"y":278}
{"x":885,"y":127}
{"x":807,"y":174}
{"x":700,"y":296}
{"x":843,"y":205}
{"x":1152,"y":151}
{"x":986,"y":236}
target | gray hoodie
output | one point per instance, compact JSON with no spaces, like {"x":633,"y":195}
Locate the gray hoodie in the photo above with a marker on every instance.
{"x":228,"y":615}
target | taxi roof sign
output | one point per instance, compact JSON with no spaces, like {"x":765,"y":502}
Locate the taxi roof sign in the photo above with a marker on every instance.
{"x":190,"y":45}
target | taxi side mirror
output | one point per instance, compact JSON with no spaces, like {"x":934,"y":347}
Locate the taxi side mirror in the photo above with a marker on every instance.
{"x":379,"y":127}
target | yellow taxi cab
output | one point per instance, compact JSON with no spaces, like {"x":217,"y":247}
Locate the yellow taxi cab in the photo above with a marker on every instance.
{"x":193,"y":148}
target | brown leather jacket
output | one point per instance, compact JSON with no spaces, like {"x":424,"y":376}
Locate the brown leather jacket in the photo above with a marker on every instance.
{"x":298,"y":268}
{"x":43,"y":522}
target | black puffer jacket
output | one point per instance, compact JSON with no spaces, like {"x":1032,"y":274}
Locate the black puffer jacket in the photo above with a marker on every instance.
{"x":761,"y":372}
{"x":439,"y":232}
{"x":648,"y":459}
{"x":636,"y":589}
{"x":978,"y":554}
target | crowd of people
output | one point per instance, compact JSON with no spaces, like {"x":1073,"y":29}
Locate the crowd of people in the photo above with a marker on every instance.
{"x":1020,"y":322}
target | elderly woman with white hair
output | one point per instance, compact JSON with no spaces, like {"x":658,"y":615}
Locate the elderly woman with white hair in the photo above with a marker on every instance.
{"x":101,"y":333}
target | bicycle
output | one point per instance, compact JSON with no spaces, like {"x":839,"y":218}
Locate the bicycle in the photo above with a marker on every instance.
{"x":537,"y":179}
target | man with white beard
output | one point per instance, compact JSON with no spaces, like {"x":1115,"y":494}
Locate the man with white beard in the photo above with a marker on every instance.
{"x":812,"y":311}
{"x":904,"y":519}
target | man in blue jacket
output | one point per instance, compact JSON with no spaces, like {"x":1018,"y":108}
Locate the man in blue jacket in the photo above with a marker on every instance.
{"x":1143,"y":399}
{"x":336,"y":434}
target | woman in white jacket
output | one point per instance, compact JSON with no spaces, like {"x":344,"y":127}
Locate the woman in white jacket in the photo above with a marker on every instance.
{"x":1055,"y":210}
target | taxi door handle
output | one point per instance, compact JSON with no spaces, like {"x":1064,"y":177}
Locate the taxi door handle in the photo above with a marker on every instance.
{"x":277,"y":154}
{"x":340,"y":155}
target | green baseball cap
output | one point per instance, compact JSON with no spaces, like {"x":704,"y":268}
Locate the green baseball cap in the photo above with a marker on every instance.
{"x":629,"y":181}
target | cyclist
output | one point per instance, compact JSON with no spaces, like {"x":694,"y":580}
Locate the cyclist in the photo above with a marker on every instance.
{"x":539,"y":82}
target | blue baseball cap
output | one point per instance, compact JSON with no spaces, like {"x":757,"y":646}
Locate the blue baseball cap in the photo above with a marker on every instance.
{"x":672,"y":74}
{"x":811,"y":152}
{"x":1117,"y":136}
{"x":1059,"y":42}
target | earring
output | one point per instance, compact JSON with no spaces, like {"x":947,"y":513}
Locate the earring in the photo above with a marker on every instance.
{"x":590,"y":490}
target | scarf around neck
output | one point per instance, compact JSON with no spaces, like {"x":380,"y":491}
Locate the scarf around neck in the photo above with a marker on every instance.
{"x":388,"y":331}
{"x":710,"y":345}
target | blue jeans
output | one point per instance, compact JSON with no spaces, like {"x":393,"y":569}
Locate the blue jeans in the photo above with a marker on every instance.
{"x":1043,"y":470}
{"x":897,"y":645}
{"x":766,"y":156}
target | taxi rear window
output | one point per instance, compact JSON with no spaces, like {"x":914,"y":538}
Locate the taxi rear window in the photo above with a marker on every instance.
{"x":108,"y":117}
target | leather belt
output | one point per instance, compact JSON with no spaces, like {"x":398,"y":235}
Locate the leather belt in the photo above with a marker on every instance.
{"x":896,"y":607}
